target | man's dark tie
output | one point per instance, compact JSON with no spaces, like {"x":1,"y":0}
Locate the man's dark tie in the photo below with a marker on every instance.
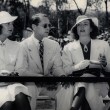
{"x":41,"y":51}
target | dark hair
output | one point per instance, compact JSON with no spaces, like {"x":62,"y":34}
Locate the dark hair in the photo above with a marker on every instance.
{"x":37,"y":18}
{"x":1,"y":29}
{"x":93,"y":34}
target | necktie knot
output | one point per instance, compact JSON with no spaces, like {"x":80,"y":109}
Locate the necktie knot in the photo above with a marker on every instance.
{"x":40,"y":41}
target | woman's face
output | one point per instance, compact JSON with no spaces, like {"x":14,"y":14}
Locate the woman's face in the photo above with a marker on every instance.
{"x":7,"y":29}
{"x":83,"y":28}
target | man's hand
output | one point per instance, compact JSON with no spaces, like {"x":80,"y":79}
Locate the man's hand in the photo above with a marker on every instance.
{"x":13,"y":74}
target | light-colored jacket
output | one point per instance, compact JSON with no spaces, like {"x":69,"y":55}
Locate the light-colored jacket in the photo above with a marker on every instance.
{"x":72,"y":54}
{"x":29,"y":61}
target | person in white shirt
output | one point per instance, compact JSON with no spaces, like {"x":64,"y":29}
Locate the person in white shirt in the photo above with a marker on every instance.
{"x":12,"y":95}
{"x":30,"y":63}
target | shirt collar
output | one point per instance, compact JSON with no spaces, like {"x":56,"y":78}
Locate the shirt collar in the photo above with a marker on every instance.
{"x":36,"y":40}
{"x":5,"y":42}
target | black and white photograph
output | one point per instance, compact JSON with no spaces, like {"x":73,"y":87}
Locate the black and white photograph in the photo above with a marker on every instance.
{"x":54,"y":54}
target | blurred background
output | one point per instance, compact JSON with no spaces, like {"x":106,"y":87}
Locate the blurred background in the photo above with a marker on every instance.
{"x":62,"y":14}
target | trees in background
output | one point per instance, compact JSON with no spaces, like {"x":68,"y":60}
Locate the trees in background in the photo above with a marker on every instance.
{"x":61,"y":18}
{"x":66,"y":18}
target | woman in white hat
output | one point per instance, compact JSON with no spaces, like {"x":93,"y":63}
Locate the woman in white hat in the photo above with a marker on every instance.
{"x":83,"y":55}
{"x":12,"y":95}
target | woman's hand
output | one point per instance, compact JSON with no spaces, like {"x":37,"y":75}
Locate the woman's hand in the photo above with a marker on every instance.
{"x":102,"y":60}
{"x":82,"y":65}
{"x":4,"y":73}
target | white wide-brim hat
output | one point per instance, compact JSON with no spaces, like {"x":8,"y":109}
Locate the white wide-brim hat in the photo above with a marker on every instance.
{"x":5,"y":17}
{"x":84,"y":17}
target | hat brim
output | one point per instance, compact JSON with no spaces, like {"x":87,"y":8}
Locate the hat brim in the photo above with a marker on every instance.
{"x":94,"y":20}
{"x":9,"y":20}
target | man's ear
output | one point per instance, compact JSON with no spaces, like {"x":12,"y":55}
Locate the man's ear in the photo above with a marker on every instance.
{"x":33,"y":26}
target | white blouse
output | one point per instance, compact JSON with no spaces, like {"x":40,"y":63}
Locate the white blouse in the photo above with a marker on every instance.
{"x":8,"y":55}
{"x":8,"y":58}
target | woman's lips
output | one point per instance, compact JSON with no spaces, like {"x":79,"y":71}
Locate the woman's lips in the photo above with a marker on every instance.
{"x":82,"y":30}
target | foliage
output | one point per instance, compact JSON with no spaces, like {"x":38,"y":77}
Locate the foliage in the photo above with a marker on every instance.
{"x":62,"y":20}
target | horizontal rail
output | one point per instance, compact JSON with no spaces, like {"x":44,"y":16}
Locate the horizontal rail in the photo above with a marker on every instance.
{"x":52,"y":79}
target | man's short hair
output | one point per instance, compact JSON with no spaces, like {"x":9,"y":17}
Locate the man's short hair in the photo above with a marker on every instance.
{"x":37,"y":18}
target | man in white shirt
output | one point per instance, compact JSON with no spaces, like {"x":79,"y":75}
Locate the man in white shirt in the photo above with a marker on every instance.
{"x":30,"y":63}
